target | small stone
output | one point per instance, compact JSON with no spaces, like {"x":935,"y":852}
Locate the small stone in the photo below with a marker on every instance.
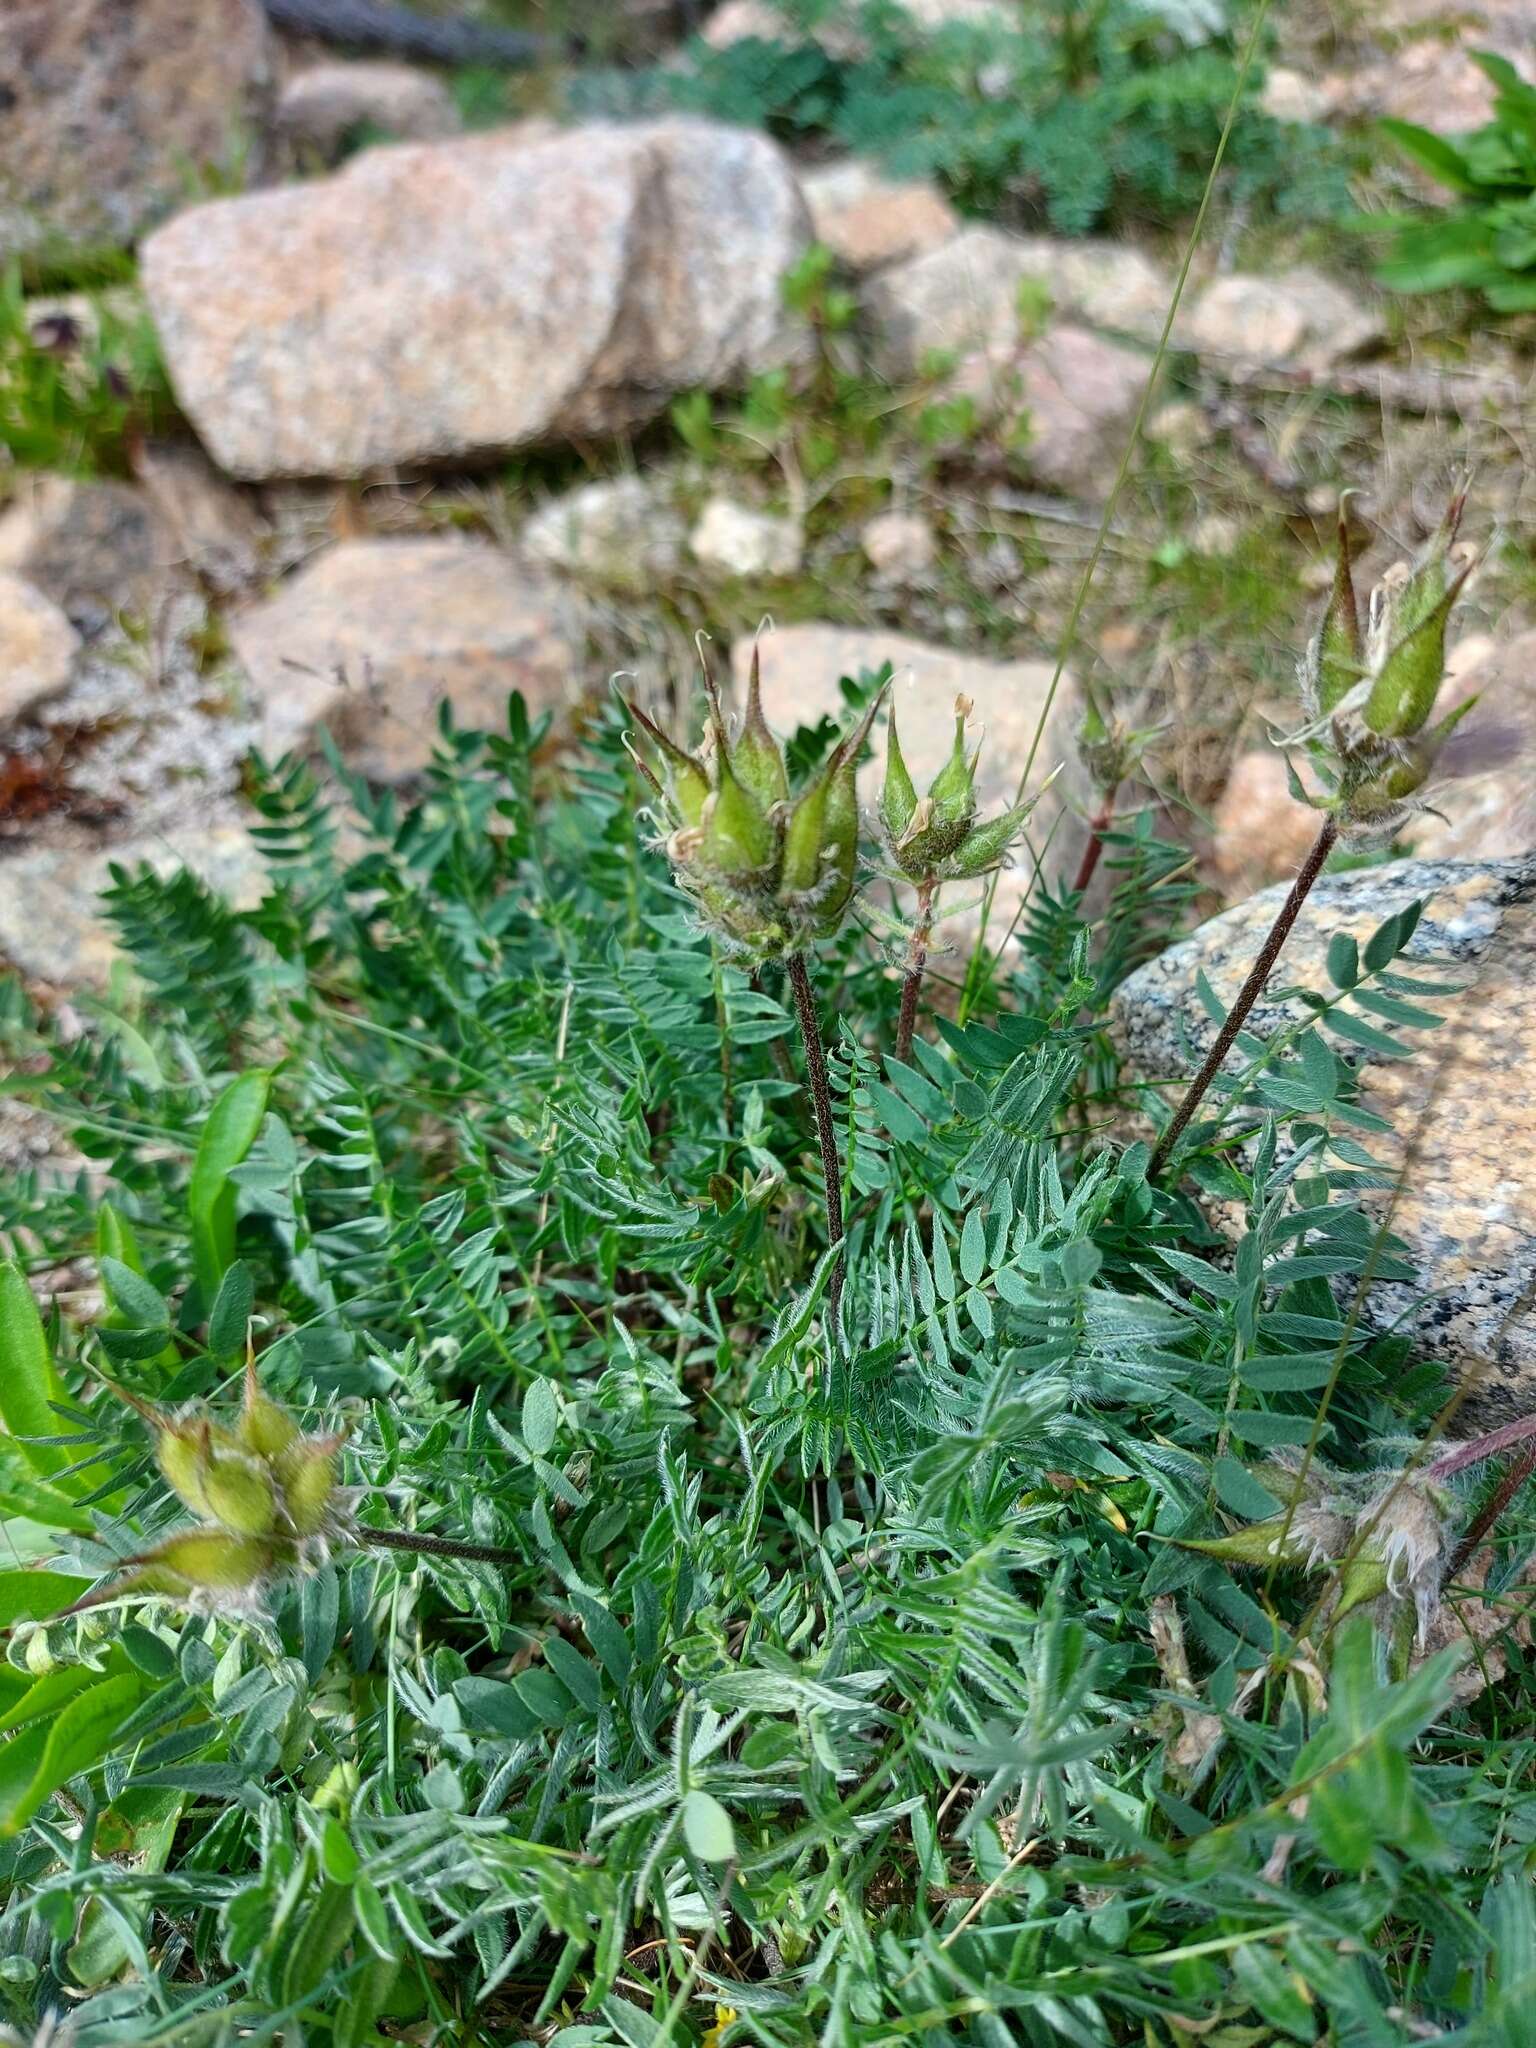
{"x":37,"y":646}
{"x":1180,"y":426}
{"x":459,"y":299}
{"x":328,"y":105}
{"x":211,"y":527}
{"x":1262,"y":834}
{"x":867,"y":220}
{"x":1483,"y":792}
{"x":105,"y":108}
{"x":618,"y":531}
{"x":984,"y":289}
{"x":1467,"y":1210}
{"x":92,"y":546}
{"x":372,"y":637}
{"x":1414,"y":60}
{"x":736,"y":540}
{"x":1299,"y":319}
{"x":51,"y":924}
{"x":901,"y":546}
{"x":740,"y":21}
{"x":1292,"y":96}
{"x":1066,"y":402}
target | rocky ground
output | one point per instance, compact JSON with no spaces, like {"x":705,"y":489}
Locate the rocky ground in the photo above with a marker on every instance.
{"x":465,"y":414}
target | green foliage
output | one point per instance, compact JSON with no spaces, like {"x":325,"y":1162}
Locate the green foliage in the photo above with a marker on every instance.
{"x":815,"y":1696}
{"x":1068,"y":113}
{"x":1487,"y":241}
{"x":77,"y":386}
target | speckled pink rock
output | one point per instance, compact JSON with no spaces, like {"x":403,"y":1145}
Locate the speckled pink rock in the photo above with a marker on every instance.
{"x":437,"y":301}
{"x":1466,"y":1100}
{"x":374,"y":636}
{"x":109,"y":106}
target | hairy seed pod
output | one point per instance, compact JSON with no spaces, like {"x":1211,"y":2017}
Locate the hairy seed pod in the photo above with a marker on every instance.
{"x":757,"y":757}
{"x":898,"y":796}
{"x":953,"y":790}
{"x":1335,"y":659}
{"x":209,"y":1562}
{"x":740,"y":843}
{"x":1411,"y":669}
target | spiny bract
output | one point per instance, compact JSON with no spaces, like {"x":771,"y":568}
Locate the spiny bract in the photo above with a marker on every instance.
{"x":1370,"y":689}
{"x":935,"y":838}
{"x":265,"y":1496}
{"x":771,"y":873}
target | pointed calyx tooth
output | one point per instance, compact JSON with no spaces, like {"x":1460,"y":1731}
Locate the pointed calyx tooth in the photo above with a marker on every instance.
{"x":898,"y":795}
{"x":1336,"y":656}
{"x":757,"y":757}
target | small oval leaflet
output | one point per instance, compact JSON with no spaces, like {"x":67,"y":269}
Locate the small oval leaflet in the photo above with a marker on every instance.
{"x":541,"y":1417}
{"x":707,"y":1828}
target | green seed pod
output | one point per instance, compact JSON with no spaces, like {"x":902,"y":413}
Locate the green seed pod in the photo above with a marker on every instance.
{"x":984,"y":846}
{"x":757,"y":757}
{"x":1261,"y":1543}
{"x":1363,"y":1579}
{"x":1335,"y":658}
{"x":953,"y":790}
{"x":210,"y":1472}
{"x":208,"y":1561}
{"x":740,"y":842}
{"x":180,"y":1454}
{"x":240,"y":1494}
{"x":1410,"y":672}
{"x":264,"y":1428}
{"x":839,"y":846}
{"x":800,"y":869}
{"x":307,"y":1471}
{"x":898,"y":796}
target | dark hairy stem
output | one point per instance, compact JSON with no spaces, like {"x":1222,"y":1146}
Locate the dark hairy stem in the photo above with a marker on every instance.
{"x":1248,"y":994}
{"x":821,"y":1102}
{"x":436,"y":1546}
{"x":1488,"y":1514}
{"x":1102,"y":819}
{"x":917,"y":960}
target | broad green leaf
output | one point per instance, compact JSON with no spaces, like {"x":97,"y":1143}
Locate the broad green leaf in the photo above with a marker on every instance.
{"x":231,"y":1315}
{"x":1440,"y":158}
{"x":1343,"y":960}
{"x":33,"y":1765}
{"x":141,"y":1306}
{"x":34,"y":1595}
{"x":228,"y":1135}
{"x":27,"y":1382}
{"x":46,"y":1695}
{"x":707,"y":1828}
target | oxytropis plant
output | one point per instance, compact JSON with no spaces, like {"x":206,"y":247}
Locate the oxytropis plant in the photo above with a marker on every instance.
{"x":1369,"y":687}
{"x":772,"y":871}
